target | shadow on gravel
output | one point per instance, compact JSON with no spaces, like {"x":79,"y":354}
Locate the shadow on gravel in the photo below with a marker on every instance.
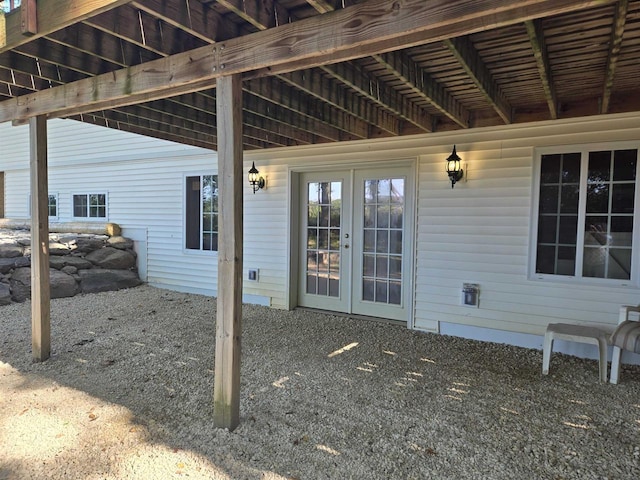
{"x":128,"y":393}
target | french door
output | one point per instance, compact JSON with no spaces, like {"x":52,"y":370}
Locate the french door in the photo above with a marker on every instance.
{"x":356,"y":229}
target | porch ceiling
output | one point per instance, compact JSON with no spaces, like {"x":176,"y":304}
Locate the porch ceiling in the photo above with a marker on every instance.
{"x":543,"y":59}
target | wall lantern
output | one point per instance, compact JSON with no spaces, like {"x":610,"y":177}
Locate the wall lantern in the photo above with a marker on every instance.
{"x":454,"y":169}
{"x":255,"y":180}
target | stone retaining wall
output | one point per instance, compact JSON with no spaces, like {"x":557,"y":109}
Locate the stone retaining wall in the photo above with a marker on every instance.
{"x":79,"y":263}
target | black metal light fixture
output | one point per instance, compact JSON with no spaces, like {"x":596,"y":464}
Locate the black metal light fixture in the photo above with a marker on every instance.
{"x":454,"y":170}
{"x":255,"y":180}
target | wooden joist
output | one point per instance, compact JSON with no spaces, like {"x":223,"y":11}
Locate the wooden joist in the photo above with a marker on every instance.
{"x":409,"y":72}
{"x":369,"y":28}
{"x":614,"y":52}
{"x":538,"y":44}
{"x":380,"y":94}
{"x":464,"y":51}
{"x":53,"y":15}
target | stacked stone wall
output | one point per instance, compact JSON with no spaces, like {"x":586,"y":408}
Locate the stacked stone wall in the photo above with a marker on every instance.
{"x":79,"y":263}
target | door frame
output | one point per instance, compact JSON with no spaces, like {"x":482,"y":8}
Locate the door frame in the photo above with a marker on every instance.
{"x":295,"y":173}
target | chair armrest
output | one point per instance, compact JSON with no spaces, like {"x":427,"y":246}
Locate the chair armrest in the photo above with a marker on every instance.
{"x":625,"y":310}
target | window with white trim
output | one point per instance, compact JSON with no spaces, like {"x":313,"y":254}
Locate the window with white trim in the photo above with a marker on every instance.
{"x":90,"y":205}
{"x":52,"y":205}
{"x":201,"y":212}
{"x":586,"y":213}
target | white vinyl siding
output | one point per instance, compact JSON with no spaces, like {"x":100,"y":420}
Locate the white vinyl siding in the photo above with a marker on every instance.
{"x":478,"y":232}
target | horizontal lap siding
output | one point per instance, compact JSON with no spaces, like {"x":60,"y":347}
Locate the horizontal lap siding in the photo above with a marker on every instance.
{"x":479,"y":232}
{"x":144,"y":179}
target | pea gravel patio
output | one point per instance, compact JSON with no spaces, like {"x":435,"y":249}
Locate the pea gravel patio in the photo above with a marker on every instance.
{"x":127,"y":394}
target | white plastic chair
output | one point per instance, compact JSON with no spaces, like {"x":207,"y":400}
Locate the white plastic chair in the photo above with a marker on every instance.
{"x":626,"y":336}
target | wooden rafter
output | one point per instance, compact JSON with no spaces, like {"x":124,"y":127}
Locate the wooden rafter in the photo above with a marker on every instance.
{"x":380,"y":27}
{"x":365,"y":85}
{"x":277,"y":92}
{"x":266,"y":109}
{"x":53,"y":15}
{"x":405,"y":69}
{"x":380,"y":94}
{"x":146,"y":32}
{"x":468,"y":57}
{"x":615,"y":44}
{"x":321,"y":6}
{"x":319,"y":86}
{"x":193,"y":17}
{"x":538,"y":44}
{"x":262,"y":15}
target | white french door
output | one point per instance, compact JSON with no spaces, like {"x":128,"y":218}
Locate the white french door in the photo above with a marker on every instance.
{"x":356,"y":241}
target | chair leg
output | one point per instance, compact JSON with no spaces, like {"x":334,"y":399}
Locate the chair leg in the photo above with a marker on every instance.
{"x":602,"y":349}
{"x":546,"y":352}
{"x":615,"y":365}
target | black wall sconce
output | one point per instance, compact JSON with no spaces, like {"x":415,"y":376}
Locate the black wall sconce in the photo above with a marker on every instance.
{"x":255,"y":180}
{"x":454,"y":170}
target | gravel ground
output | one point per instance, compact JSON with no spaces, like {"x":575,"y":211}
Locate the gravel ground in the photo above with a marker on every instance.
{"x":127,"y":394}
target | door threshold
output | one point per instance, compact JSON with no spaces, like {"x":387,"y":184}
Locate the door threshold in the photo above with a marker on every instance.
{"x":388,"y":321}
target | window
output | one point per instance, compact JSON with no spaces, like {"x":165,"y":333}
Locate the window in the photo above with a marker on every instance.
{"x":52,"y":205}
{"x":586,"y":214}
{"x":91,"y":205}
{"x":8,"y":5}
{"x":201,"y":218}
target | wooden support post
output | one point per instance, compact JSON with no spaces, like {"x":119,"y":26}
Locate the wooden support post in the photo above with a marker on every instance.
{"x":226,"y":396}
{"x":28,"y":17}
{"x":40,"y":287}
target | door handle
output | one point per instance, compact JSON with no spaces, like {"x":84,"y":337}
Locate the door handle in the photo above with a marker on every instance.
{"x":346,"y":245}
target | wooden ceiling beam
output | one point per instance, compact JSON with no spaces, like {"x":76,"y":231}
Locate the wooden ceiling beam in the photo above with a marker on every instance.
{"x":274,"y":91}
{"x":257,"y":13}
{"x":194,"y":17}
{"x":33,"y":66}
{"x":324,"y":89}
{"x":322,"y":6}
{"x":130,"y":124}
{"x":25,"y":81}
{"x":376,"y":26}
{"x":538,"y":44}
{"x":470,"y":60}
{"x":103,"y":44}
{"x":381,"y":94}
{"x":419,"y":81}
{"x":615,"y":44}
{"x":146,"y":32}
{"x":278,"y":114}
{"x":202,"y":118}
{"x":53,"y":15}
{"x":123,"y":120}
{"x":65,"y":57}
{"x":425,"y":23}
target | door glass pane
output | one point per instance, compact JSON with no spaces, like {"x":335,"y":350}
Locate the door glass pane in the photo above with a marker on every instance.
{"x":324,"y":210}
{"x":383,"y":251}
{"x":368,"y":268}
{"x":395,"y":293}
